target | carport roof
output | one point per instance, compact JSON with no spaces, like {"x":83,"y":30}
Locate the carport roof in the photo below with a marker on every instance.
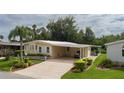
{"x":62,"y":43}
{"x":9,"y":43}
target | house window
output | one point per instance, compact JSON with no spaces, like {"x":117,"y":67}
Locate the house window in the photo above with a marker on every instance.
{"x":40,"y":49}
{"x":35,"y":47}
{"x":48,"y":49}
{"x":32,"y":47}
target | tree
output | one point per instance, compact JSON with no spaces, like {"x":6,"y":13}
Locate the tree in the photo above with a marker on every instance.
{"x":21,"y":34}
{"x":1,"y":37}
{"x":44,"y":34}
{"x":40,"y":33}
{"x":122,"y":35}
{"x":80,"y":36}
{"x":64,"y":29}
{"x":89,"y":36}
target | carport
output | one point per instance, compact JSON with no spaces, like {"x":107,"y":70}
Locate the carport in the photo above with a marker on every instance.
{"x":71,"y":51}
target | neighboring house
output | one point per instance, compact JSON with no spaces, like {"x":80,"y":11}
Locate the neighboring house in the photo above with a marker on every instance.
{"x":57,"y":48}
{"x":8,"y":47}
{"x":115,"y":51}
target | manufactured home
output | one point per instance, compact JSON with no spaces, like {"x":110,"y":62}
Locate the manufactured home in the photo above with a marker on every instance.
{"x":8,"y":47}
{"x":56,"y":49}
{"x":115,"y":51}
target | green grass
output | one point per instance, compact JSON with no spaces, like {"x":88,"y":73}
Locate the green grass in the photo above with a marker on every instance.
{"x":6,"y":65}
{"x":94,"y":73}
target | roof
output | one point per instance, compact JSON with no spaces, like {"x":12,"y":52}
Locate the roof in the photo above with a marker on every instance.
{"x":97,"y":46}
{"x":10,"y":43}
{"x":61,"y":43}
{"x":116,"y":42}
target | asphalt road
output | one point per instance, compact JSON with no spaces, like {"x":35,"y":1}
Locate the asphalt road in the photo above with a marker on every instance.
{"x":9,"y":75}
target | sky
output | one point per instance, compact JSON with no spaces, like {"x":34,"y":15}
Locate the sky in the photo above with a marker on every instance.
{"x":104,"y":24}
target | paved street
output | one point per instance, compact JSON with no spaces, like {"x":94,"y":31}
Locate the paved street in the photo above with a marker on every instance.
{"x":10,"y":75}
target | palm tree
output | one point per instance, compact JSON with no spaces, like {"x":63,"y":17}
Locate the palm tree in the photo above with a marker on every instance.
{"x":21,"y":34}
{"x":34,"y":30}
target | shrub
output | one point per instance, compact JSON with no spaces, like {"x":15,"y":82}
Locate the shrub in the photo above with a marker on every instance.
{"x":103,"y":51}
{"x":80,"y":65}
{"x":19,"y":65}
{"x":28,"y":61}
{"x":106,"y":63}
{"x":15,"y":61}
{"x":7,"y":58}
{"x":85,"y":59}
{"x":25,"y":63}
{"x":89,"y":61}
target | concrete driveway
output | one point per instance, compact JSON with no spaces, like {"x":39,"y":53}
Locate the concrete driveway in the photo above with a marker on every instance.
{"x":50,"y":69}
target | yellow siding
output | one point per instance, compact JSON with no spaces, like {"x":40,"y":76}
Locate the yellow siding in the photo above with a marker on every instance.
{"x":73,"y":51}
{"x":31,"y":48}
{"x":58,"y":51}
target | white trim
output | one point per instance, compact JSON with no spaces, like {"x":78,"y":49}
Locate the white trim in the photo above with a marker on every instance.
{"x":61,"y":43}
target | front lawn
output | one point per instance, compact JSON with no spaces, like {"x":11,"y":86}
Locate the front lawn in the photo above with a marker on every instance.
{"x":6,"y":65}
{"x":94,"y":73}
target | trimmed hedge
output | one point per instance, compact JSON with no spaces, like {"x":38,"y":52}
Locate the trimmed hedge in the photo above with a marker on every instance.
{"x":88,"y":61}
{"x":82,"y":64}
